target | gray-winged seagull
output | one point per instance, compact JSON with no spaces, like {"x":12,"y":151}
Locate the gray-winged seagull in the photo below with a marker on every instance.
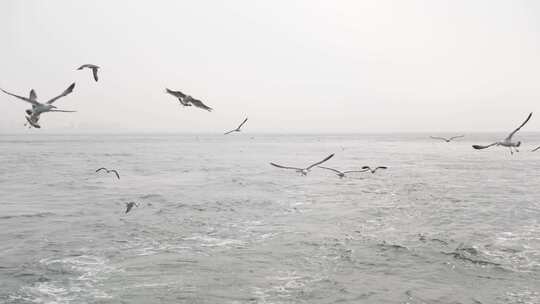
{"x":93,"y":67}
{"x":507,"y":142}
{"x":303,"y":171}
{"x":238,"y":128}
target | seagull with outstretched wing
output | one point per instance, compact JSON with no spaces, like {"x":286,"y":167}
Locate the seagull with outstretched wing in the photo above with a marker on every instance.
{"x":39,"y":108}
{"x":447,"y":139}
{"x":238,"y":128}
{"x":304,"y":171}
{"x":507,"y":142}
{"x":368,"y":168}
{"x":93,"y":67}
{"x":109,"y":171}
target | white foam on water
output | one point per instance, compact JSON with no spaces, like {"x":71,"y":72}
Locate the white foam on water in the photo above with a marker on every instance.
{"x":87,"y":273}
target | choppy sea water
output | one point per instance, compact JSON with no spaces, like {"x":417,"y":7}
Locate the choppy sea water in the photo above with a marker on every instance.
{"x":217,"y":224}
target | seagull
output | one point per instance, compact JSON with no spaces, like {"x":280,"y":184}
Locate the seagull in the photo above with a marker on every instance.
{"x":187,"y":100}
{"x":341,"y":174}
{"x":447,"y":139}
{"x":91,"y":66}
{"x":507,"y":142}
{"x":109,"y":171}
{"x":304,"y":171}
{"x":37,"y":107}
{"x":180,"y":97}
{"x":238,"y":128}
{"x":368,"y":168}
{"x":130,"y":205}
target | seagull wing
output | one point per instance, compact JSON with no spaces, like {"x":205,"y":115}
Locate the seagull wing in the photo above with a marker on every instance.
{"x":479,"y":147}
{"x":22,"y":98}
{"x":129,"y":206}
{"x":94,"y":71}
{"x":65,"y":111}
{"x":116,"y":172}
{"x":366,"y":167}
{"x":355,"y":171}
{"x":101,"y":169}
{"x":283,"y":167}
{"x":320,"y":162}
{"x":176,"y":94}
{"x":200,"y":104}
{"x":441,"y":138}
{"x":381,"y":167}
{"x":535,"y":149}
{"x":33,"y":95}
{"x":331,"y":169}
{"x":229,"y":132}
{"x":454,"y":137}
{"x":66,"y":92}
{"x":514,"y":132}
{"x":88,"y":65}
{"x":243,"y":122}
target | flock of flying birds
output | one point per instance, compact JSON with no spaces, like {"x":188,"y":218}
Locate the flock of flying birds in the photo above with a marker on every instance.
{"x":33,"y":115}
{"x":38,"y":108}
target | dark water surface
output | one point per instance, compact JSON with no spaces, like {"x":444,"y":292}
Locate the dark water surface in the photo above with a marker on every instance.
{"x":217,"y":224}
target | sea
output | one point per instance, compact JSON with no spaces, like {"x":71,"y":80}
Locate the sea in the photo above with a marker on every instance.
{"x":216,"y":223}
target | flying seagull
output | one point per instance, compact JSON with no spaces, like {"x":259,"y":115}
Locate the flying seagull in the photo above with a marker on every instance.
{"x":180,"y":97}
{"x":91,"y":66}
{"x":109,"y":171}
{"x":130,"y":205}
{"x":187,"y":100}
{"x":341,"y":174}
{"x":447,"y":139}
{"x":39,"y":108}
{"x":304,"y":171}
{"x":368,"y":168}
{"x":507,"y":142}
{"x":238,"y":128}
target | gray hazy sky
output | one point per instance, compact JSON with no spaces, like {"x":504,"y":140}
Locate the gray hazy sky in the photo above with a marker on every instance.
{"x":291,"y":66}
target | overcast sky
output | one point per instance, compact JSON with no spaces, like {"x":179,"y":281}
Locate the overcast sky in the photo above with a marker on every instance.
{"x":290,"y":66}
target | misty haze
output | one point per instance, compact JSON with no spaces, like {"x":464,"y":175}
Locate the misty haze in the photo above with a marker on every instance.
{"x":269,"y":152}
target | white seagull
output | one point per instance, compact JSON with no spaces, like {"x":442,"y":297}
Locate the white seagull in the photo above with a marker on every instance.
{"x":368,"y":168}
{"x":109,"y":171}
{"x":447,"y":139}
{"x":91,"y":66}
{"x":341,"y":174}
{"x":39,"y":108}
{"x":507,"y":142}
{"x":238,"y":128}
{"x":304,"y":171}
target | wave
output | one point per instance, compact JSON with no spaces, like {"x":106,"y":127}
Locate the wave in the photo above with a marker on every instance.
{"x":40,"y":214}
